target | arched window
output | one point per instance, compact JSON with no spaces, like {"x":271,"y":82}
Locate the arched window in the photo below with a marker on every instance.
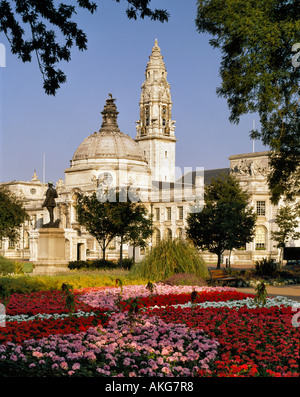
{"x":147,"y":115}
{"x":26,"y":239}
{"x":179,"y":233}
{"x":156,"y":237}
{"x":260,"y":238}
{"x":168,"y":234}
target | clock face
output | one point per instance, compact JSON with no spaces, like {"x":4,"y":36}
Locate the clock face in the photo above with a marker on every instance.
{"x":105,"y":178}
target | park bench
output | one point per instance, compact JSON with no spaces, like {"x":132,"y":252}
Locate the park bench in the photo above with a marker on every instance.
{"x":220,"y":275}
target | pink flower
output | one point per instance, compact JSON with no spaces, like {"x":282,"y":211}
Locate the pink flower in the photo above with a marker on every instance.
{"x":64,"y":365}
{"x":37,"y":354}
{"x":76,"y":366}
{"x":126,"y":361}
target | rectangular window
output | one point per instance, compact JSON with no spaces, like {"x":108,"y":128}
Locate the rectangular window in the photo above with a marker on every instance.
{"x":11,"y":244}
{"x":260,"y":238}
{"x":261,"y":208}
{"x":168,"y":213}
{"x":180,"y":213}
{"x":112,"y":244}
{"x":157,"y":214}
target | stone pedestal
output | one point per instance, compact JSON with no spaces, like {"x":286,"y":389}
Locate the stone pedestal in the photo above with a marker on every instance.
{"x":51,"y":257}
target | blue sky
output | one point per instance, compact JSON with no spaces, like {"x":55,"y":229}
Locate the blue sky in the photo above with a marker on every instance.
{"x":32,"y":123}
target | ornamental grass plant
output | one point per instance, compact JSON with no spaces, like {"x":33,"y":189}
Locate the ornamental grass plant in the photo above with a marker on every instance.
{"x":170,"y":257}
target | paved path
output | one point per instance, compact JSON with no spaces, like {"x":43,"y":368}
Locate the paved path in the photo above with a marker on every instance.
{"x":290,"y":291}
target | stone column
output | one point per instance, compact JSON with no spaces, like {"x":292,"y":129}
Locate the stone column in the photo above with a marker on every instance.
{"x":51,"y":257}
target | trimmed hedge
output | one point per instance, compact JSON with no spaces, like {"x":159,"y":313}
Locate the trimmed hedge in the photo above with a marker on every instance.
{"x":100,"y":264}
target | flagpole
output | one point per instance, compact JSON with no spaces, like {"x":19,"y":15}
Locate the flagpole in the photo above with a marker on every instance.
{"x":44,"y":168}
{"x":253,"y":137}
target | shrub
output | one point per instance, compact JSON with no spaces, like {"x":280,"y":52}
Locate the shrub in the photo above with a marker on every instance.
{"x":75,"y":279}
{"x":265,"y":267}
{"x":287,"y":274}
{"x":78,"y":264}
{"x":127,"y":263}
{"x":92,"y":264}
{"x":8,"y":266}
{"x":169,"y":258}
{"x":104,"y":264}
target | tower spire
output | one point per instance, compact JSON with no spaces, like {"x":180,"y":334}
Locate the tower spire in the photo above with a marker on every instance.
{"x":155,"y":129}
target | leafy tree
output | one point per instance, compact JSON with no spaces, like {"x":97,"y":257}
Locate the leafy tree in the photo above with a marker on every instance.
{"x":226,"y":220}
{"x":256,"y":38}
{"x":130,"y":219}
{"x":110,"y":214}
{"x":42,"y":18}
{"x":287,"y":222}
{"x":139,"y":229}
{"x":97,"y":218}
{"x":12,"y":214}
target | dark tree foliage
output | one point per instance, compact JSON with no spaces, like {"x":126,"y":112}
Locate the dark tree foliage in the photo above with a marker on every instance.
{"x":226,"y":220}
{"x":106,"y":215}
{"x":256,"y":39}
{"x":44,"y":19}
{"x":12,"y":214}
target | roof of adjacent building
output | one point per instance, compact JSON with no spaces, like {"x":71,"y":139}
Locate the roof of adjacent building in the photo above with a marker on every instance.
{"x":190,"y":177}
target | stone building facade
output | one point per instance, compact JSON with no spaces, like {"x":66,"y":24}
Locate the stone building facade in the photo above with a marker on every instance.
{"x":146,"y":164}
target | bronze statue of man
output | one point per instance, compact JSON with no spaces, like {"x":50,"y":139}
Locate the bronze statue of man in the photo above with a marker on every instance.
{"x":49,"y":202}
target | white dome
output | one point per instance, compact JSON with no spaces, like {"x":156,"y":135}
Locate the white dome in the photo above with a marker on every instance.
{"x":108,"y":152}
{"x":109,"y":142}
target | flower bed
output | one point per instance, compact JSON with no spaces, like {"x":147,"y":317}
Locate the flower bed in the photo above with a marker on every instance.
{"x":146,"y":348}
{"x":263,"y":339}
{"x":19,"y":331}
{"x":41,"y":302}
{"x":222,"y":333}
{"x":107,"y":298}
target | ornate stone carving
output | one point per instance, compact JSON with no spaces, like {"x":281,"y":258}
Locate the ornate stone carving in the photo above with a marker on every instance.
{"x":250,"y":167}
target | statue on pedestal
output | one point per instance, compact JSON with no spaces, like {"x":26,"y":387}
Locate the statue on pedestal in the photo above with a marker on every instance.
{"x":50,"y":204}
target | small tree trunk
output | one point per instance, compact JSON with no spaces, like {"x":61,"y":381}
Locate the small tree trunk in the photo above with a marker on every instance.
{"x":281,"y":257}
{"x":103,"y":249}
{"x":121,"y":252}
{"x":133,"y":254}
{"x":219,"y":260}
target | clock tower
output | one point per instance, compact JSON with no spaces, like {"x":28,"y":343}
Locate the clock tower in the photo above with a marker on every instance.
{"x":155,"y":129}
